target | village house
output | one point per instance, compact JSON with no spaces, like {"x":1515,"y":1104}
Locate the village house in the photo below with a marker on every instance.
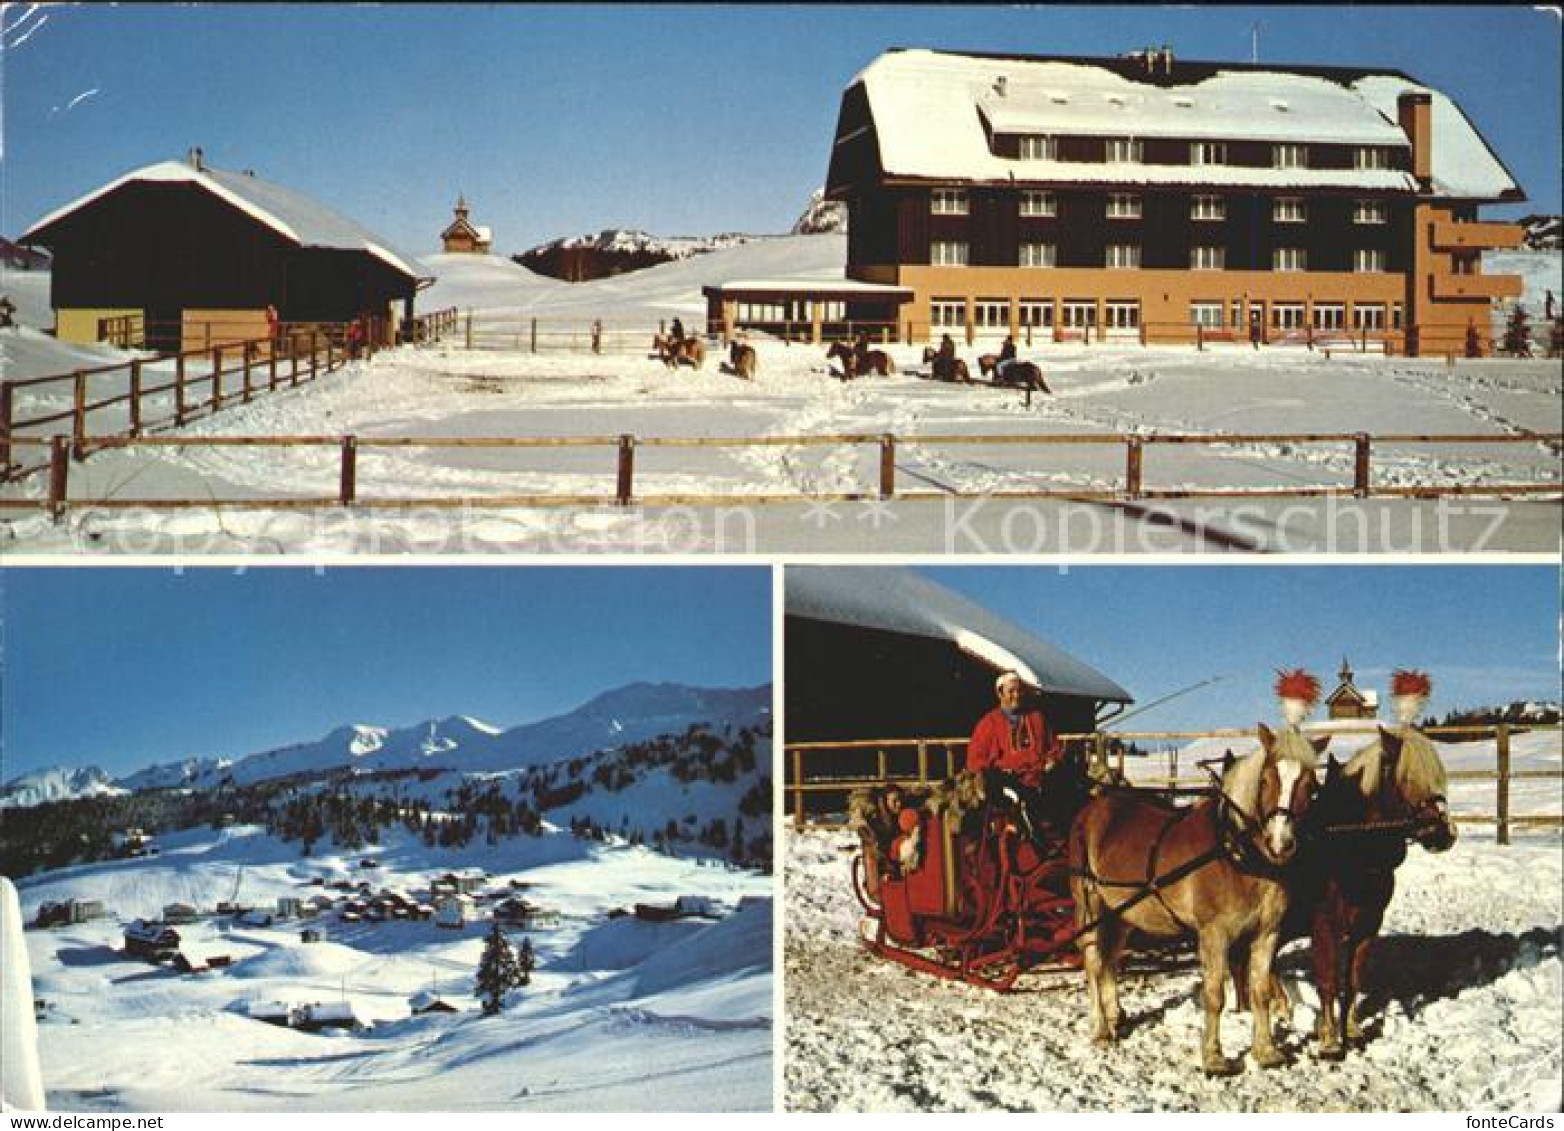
{"x":1152,"y":198}
{"x":463,"y":236}
{"x":1347,"y":701}
{"x":151,"y":940}
{"x":427,"y":1001}
{"x":180,"y":255}
{"x":69,"y":911}
{"x":318,"y":1016}
{"x":179,"y":913}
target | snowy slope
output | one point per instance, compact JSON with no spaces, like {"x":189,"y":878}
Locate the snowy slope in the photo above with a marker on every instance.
{"x":58,"y":783}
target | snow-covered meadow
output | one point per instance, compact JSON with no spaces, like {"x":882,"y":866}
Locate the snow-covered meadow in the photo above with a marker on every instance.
{"x":622,"y":1014}
{"x":446,"y":390}
{"x":1466,"y":1000}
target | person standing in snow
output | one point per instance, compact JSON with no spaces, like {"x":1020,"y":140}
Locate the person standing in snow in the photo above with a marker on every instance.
{"x":1015,"y":747}
{"x":1549,"y":308}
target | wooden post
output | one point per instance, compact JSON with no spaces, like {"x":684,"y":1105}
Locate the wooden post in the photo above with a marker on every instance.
{"x":314,"y":354}
{"x":5,"y":429}
{"x":798,"y":787}
{"x":248,"y":354}
{"x":79,"y":417}
{"x":1200,"y":336}
{"x":293,"y":359}
{"x":349,"y":489}
{"x":534,"y":336}
{"x":1360,"y":465}
{"x":882,"y":764}
{"x":271,"y":370}
{"x":217,"y":378}
{"x":59,"y":475}
{"x":1099,"y":754}
{"x":1502,"y":733}
{"x":887,"y":466}
{"x":625,"y":489}
{"x":469,"y":330}
{"x":179,"y":388}
{"x":923,"y":762}
{"x":135,"y":398}
{"x":950,"y":762}
{"x":1133,"y":452}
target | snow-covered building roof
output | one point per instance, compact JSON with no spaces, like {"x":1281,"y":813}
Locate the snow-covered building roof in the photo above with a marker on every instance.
{"x":898,"y":601}
{"x":292,"y":215}
{"x":934,"y":114}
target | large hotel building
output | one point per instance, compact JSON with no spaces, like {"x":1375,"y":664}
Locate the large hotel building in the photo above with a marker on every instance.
{"x":1152,"y":198}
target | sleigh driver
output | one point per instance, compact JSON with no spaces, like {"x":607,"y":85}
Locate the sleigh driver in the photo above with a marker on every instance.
{"x":1018,"y":755}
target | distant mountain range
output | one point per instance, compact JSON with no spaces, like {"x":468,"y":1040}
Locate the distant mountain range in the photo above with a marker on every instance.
{"x":459,"y":743}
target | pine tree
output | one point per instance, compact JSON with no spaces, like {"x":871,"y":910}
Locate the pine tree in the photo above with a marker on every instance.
{"x":498,"y":971}
{"x":1517,"y":333}
{"x":526,"y":961}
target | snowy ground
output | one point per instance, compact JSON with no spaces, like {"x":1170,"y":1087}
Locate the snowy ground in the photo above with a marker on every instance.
{"x":447,"y":391}
{"x":621,"y":1015}
{"x":1466,"y":1013}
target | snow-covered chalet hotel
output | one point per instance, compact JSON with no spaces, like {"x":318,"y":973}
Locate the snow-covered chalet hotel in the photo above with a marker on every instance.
{"x":1143,"y":196}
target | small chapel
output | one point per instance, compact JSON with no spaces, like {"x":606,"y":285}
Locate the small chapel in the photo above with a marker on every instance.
{"x":463,"y":235}
{"x":1347,"y":702}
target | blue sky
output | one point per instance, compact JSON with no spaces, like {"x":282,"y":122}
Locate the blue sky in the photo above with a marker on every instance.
{"x":123,"y":667}
{"x":681,"y":119}
{"x":1486,"y":634}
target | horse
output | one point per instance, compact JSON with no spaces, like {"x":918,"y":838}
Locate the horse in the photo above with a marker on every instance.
{"x":953,"y":370}
{"x":673,"y":352}
{"x":1213,"y":869}
{"x":855,"y":362}
{"x":1389,"y":793}
{"x":1021,"y":374}
{"x":742,"y":359}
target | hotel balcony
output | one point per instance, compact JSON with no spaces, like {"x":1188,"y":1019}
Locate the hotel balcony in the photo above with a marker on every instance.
{"x":1455,"y":235}
{"x":1471,"y":287}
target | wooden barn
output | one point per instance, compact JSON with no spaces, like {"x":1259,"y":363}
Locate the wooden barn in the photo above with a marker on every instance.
{"x":187,"y":254}
{"x":885,"y":653}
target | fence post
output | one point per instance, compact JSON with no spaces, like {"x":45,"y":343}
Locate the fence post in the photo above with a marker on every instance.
{"x":314,"y":354}
{"x":882,"y":764}
{"x":1502,"y":733}
{"x":349,"y":489}
{"x":469,"y":330}
{"x":1133,"y":453}
{"x":923,"y":762}
{"x":887,"y":466}
{"x":1099,"y":752}
{"x":59,"y":475}
{"x":135,"y":398}
{"x":533,"y":336}
{"x":5,"y":429}
{"x":625,"y":488}
{"x":1200,"y":336}
{"x":293,"y":359}
{"x":217,"y":378}
{"x":798,"y":788}
{"x":179,"y":388}
{"x":1360,"y":465}
{"x":271,"y":369}
{"x":248,"y":354}
{"x":79,"y":417}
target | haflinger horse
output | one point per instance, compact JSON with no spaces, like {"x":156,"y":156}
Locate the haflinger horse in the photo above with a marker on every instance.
{"x":672,"y":352}
{"x":877,"y":362}
{"x":1214,"y":869}
{"x":1388,"y":794}
{"x":742,"y":359}
{"x":1021,"y":374}
{"x":955,"y":370}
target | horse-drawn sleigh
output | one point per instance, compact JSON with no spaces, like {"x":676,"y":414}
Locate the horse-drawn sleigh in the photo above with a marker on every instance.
{"x":967,"y":887}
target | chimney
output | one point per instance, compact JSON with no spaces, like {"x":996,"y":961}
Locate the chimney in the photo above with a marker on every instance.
{"x":1415,"y":113}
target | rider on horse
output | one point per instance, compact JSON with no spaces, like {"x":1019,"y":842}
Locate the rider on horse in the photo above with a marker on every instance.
{"x":1007,"y":357}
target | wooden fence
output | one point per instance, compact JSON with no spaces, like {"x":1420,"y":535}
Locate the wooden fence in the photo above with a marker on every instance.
{"x":1131,"y":487}
{"x":202,"y":381}
{"x":919,"y":761}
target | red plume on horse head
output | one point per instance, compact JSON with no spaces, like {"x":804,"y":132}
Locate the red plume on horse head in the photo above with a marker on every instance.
{"x":1410,"y":690}
{"x":1297,"y":684}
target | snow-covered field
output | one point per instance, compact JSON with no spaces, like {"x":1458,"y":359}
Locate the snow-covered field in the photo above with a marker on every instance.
{"x":448,"y":391}
{"x":622,"y":1014}
{"x":1466,"y":1001}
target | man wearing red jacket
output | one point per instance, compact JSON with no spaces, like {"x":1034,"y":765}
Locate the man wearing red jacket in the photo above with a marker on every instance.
{"x":1016,"y":743}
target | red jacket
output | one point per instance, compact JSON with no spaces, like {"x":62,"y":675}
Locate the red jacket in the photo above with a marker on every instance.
{"x":994,"y":747}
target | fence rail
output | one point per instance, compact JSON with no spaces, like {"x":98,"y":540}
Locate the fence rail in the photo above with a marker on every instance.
{"x":920,"y":761}
{"x":1131,"y":486}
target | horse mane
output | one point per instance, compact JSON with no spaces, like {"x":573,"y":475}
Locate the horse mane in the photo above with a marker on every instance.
{"x":1242,"y":780}
{"x":1419,"y":772}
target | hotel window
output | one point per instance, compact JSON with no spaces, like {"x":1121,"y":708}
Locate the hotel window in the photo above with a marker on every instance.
{"x":1289,"y":259}
{"x":1078,"y":314}
{"x":1289,"y":156}
{"x":1123,"y":206}
{"x":1370,"y":157}
{"x":1124,"y":149}
{"x":1208,"y":153}
{"x":1039,"y":147}
{"x":991,"y":314}
{"x":948,"y":313}
{"x":1368,"y":317}
{"x":1330,"y":316}
{"x":1208,"y":258}
{"x":1366,"y":260}
{"x":948,"y":202}
{"x":1207,"y":314}
{"x":948,"y":253}
{"x":1287,"y":315}
{"x":1237,"y":315}
{"x":1122,"y":255}
{"x":1464,"y":262}
{"x":1039,"y":255}
{"x":1396,"y":316}
{"x":1035,"y":202}
{"x":755,"y":312}
{"x":1369,"y":212}
{"x":1121,"y":315}
{"x":1289,"y":210}
{"x":1208,"y":208}
{"x":1036,"y":312}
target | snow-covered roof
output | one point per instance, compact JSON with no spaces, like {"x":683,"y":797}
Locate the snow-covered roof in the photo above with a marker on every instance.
{"x":930,"y":110}
{"x":809,"y":286}
{"x":895,"y":600}
{"x":485,"y":233}
{"x":290,"y":214}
